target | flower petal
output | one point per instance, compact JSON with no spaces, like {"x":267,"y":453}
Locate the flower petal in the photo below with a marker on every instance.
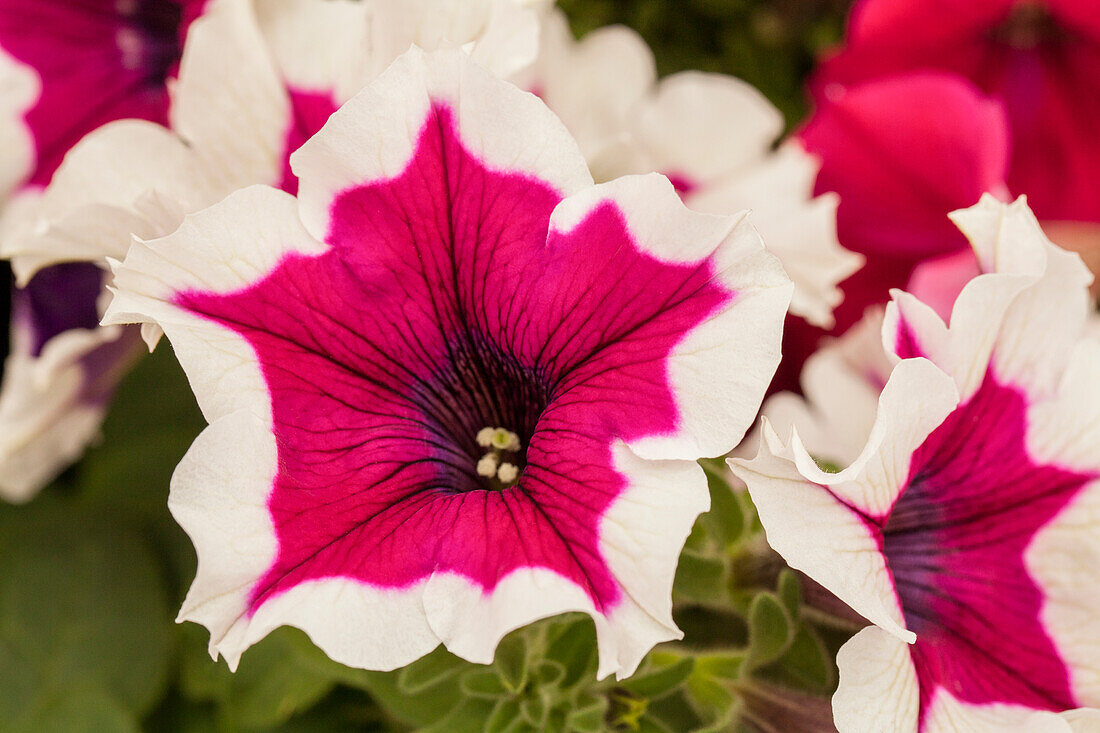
{"x":878,"y":686}
{"x":369,"y":138}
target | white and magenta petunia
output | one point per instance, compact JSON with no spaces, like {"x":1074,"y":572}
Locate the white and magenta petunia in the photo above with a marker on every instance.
{"x":130,"y":177}
{"x":59,"y":376}
{"x":454,"y":387}
{"x":69,"y":66}
{"x":293,"y":62}
{"x":968,"y":528}
{"x":712,"y":135}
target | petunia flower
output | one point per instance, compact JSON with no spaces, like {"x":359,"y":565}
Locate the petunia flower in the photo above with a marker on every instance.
{"x":966,"y":530}
{"x":455,"y":387}
{"x":710,"y":134}
{"x":901,"y":153}
{"x":58,"y":377}
{"x":69,"y":66}
{"x":293,"y":62}
{"x":1040,"y":59}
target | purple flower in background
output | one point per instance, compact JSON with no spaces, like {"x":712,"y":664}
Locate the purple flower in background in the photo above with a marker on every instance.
{"x":966,"y":529}
{"x":463,"y":391}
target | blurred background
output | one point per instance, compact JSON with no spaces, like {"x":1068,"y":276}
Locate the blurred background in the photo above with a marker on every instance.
{"x":92,"y":571}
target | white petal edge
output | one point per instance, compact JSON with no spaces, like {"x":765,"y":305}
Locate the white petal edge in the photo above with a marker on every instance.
{"x":705,"y":125}
{"x":817,"y":520}
{"x":20,"y":87}
{"x":318,"y":45}
{"x":878,"y":691}
{"x":219,"y":496}
{"x":1023,"y":317}
{"x":835,"y":418}
{"x":594,"y":85}
{"x":820,"y":535}
{"x":129,"y":177}
{"x":220,"y":249}
{"x":500,"y":35}
{"x":641,"y":536}
{"x":1064,"y":557}
{"x":797,"y":227}
{"x":878,"y":688}
{"x":372,"y":137}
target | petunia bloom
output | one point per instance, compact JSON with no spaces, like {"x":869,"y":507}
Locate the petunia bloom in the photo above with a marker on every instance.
{"x":58,"y":378}
{"x":710,"y":134}
{"x":966,"y":530}
{"x":454,"y":387}
{"x":1040,"y":59}
{"x":901,"y":153}
{"x":293,"y":62}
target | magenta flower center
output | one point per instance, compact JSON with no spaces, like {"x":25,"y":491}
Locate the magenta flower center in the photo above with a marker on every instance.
{"x":149,"y":37}
{"x":1028,"y":26}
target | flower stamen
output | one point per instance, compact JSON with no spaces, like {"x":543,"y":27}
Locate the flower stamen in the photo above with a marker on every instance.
{"x":496,"y":464}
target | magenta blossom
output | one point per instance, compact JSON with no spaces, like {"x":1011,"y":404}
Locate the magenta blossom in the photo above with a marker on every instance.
{"x":1041,"y":59}
{"x":967,"y":527}
{"x":79,"y":64}
{"x":464,"y":390}
{"x":902,"y":153}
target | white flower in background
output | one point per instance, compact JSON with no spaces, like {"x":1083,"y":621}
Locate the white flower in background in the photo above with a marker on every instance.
{"x":711,"y":134}
{"x":968,"y":528}
{"x":840,"y":384}
{"x":454,"y":387}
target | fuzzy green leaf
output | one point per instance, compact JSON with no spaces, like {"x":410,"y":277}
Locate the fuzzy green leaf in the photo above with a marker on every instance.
{"x":770,"y":630}
{"x":654,"y":682}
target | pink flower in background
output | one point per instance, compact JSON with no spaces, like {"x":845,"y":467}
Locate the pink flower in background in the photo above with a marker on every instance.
{"x":463,"y":391}
{"x":902,"y":153}
{"x":1040,"y":59}
{"x":967,"y":528}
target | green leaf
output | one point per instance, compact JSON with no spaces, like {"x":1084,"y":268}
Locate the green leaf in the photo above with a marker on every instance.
{"x":701,"y":578}
{"x":511,"y":659}
{"x":82,"y":607}
{"x":548,"y":674}
{"x":76,"y":711}
{"x":724,"y":665}
{"x":713,"y":701}
{"x":589,"y":718}
{"x":725,"y":522}
{"x":504,"y":716}
{"x":770,"y":630}
{"x":423,"y":709}
{"x":429,"y":671}
{"x":273,"y":681}
{"x":483,"y":683}
{"x":470,"y":716}
{"x":573,"y":646}
{"x":789,"y":589}
{"x":657,"y":681}
{"x":806,"y":664}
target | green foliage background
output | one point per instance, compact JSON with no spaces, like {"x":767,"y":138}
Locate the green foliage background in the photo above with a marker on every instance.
{"x":92,"y":571}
